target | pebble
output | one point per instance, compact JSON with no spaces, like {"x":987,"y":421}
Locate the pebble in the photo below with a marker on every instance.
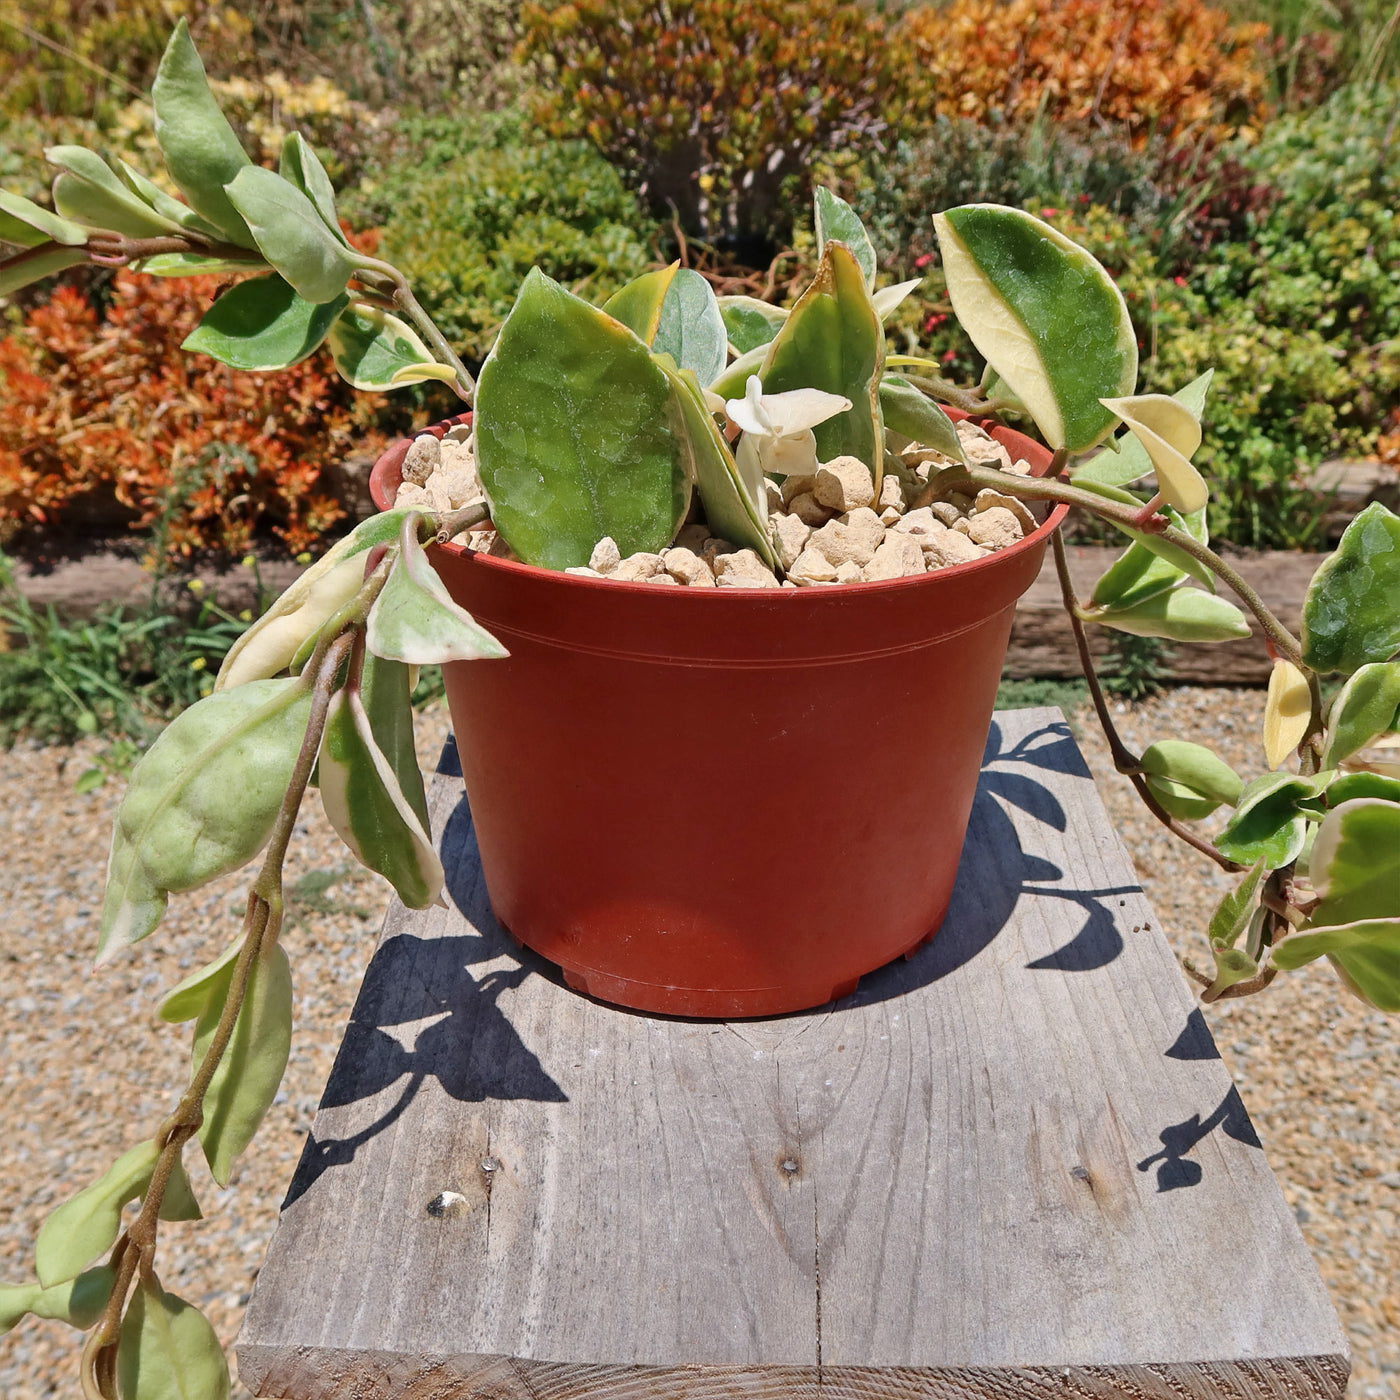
{"x":854,"y":539}
{"x":809,"y":510}
{"x":790,"y":536}
{"x":951,"y":547}
{"x":898,"y":556}
{"x":422,"y":459}
{"x":996,"y":528}
{"x":812,"y":566}
{"x":686,"y":566}
{"x":743,"y":569}
{"x":606,"y":555}
{"x":843,"y":484}
{"x":636,"y":568}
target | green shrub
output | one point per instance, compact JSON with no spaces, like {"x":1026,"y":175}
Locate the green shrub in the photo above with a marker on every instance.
{"x":482,"y":204}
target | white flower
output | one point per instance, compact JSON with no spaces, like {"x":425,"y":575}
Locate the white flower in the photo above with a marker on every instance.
{"x":777,"y":428}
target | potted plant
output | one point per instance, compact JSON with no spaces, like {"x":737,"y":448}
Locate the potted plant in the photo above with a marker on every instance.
{"x":679,"y":523}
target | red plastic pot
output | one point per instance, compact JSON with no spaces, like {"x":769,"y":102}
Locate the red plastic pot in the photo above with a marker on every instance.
{"x":725,"y":802}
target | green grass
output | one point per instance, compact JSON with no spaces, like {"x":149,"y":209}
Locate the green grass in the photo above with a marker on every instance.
{"x":1029,"y":694}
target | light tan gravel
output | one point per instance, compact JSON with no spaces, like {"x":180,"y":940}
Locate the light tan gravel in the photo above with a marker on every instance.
{"x":85,"y":1061}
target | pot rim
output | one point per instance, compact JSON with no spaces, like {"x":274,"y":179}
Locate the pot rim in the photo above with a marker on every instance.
{"x":1053,"y":520}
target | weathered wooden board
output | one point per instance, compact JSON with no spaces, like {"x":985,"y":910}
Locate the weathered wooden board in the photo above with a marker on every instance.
{"x":1011,"y":1166}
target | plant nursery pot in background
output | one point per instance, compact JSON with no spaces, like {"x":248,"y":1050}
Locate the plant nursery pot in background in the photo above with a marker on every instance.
{"x":725,"y":802}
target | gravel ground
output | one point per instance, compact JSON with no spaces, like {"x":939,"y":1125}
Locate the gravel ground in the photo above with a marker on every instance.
{"x":85,"y":1059}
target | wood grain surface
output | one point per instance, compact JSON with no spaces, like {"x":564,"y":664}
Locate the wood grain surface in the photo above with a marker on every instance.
{"x":1012,"y":1166}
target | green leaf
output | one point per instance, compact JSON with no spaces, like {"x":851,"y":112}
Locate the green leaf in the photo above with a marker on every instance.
{"x":201,"y":802}
{"x":1267,"y":824}
{"x":291,"y":235}
{"x":638,"y":304}
{"x":1355,"y":862}
{"x":690,"y":329}
{"x":386,"y":688}
{"x":414,"y":619}
{"x":251,"y":1070}
{"x":888,"y":300}
{"x":1044,"y":314}
{"x":29,"y":224}
{"x":911,"y":413}
{"x":1135,"y":576}
{"x":1130,"y":461}
{"x":168,"y":1350}
{"x":201,"y":152}
{"x":1231,"y":965}
{"x":88,"y":1224}
{"x":1365,"y":953}
{"x":1177,"y":800}
{"x":1353,"y":785}
{"x":36,"y":268}
{"x":377,"y":351}
{"x":193,"y":265}
{"x":1196,"y":769}
{"x":1363,"y":710}
{"x":1193,"y":525}
{"x":574,"y":433}
{"x":187,"y":999}
{"x":1350,"y":616}
{"x":1236,"y":909}
{"x":88,"y":190}
{"x":178,"y":1202}
{"x":730,"y":507}
{"x":78,"y":1302}
{"x":262,"y":324}
{"x":301,"y":167}
{"x":1182,"y":614}
{"x":833,"y":341}
{"x":731,"y":383}
{"x":749,"y":323}
{"x":164,"y":205}
{"x":363,"y":801}
{"x":835,"y":219}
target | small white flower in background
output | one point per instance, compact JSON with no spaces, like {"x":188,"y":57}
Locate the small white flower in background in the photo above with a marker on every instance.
{"x":778,"y":431}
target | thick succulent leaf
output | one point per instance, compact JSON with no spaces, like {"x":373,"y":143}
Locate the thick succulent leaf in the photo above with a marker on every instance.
{"x":201,"y":802}
{"x":178,"y":1202}
{"x":1193,"y":525}
{"x":750,"y":323}
{"x":1350,"y":615}
{"x":186,"y":1000}
{"x":290,"y":234}
{"x":1195,"y":767}
{"x":1130,"y":461}
{"x":301,"y":166}
{"x":1135,"y":576}
{"x":1169,"y":434}
{"x":88,"y":190}
{"x":735,"y":508}
{"x":363,"y":801}
{"x":575,"y":437}
{"x":1287,"y":711}
{"x":1355,"y":862}
{"x":374,"y":350}
{"x":888,"y":300}
{"x":201,"y":152}
{"x":193,"y":265}
{"x":168,"y":1350}
{"x":1044,"y":314}
{"x":78,"y":1302}
{"x":414,"y":619}
{"x":690,"y":329}
{"x":833,"y":341}
{"x":1179,"y":801}
{"x":262,"y":324}
{"x":271,"y":644}
{"x":1366,"y":954}
{"x":912,"y":414}
{"x":638,"y":304}
{"x":37,"y":267}
{"x":1364,"y":709}
{"x":29,"y":224}
{"x":251,"y":1070}
{"x":1182,"y":614}
{"x":1236,"y":909}
{"x":835,"y":219}
{"x":1352,"y":785}
{"x":730,"y":384}
{"x":165,"y":205}
{"x":1232,"y":965}
{"x":1268,"y":824}
{"x":88,"y":1224}
{"x":386,"y":689}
